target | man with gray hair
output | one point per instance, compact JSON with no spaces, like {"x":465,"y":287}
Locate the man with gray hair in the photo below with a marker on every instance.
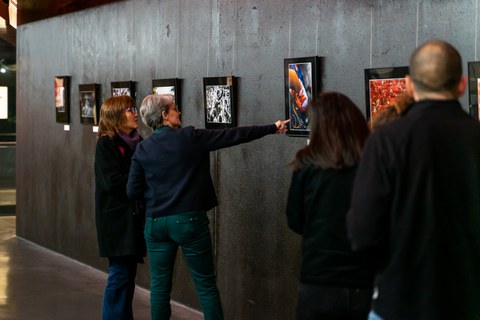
{"x":415,"y":209}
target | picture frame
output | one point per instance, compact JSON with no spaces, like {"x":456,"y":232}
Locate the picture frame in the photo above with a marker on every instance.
{"x":3,"y":103}
{"x":474,"y":88}
{"x":302,"y":83}
{"x":220,"y":102}
{"x":89,"y":103}
{"x":168,"y":86}
{"x":382,"y":87}
{"x":62,"y":98}
{"x":121,"y":88}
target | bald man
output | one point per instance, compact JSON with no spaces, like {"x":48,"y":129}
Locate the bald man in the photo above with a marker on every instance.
{"x":415,"y":210}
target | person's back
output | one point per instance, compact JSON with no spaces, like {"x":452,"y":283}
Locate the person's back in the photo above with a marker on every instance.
{"x":334,"y":283}
{"x":416,"y":209}
{"x":434,"y":234}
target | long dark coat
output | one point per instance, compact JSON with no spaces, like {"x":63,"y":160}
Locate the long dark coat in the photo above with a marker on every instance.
{"x":119,"y":224}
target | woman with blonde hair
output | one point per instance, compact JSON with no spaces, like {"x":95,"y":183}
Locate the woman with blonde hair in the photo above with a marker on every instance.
{"x":118,"y":220}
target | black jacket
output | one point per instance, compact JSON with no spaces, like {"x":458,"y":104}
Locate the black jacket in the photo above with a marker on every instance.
{"x":318,"y":202}
{"x":172,"y":167}
{"x":416,"y":213}
{"x":119,"y":226}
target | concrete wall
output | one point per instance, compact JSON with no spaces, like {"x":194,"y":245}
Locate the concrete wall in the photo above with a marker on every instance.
{"x":256,"y":255}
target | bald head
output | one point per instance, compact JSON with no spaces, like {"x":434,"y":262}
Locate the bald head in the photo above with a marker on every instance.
{"x":436,"y":67}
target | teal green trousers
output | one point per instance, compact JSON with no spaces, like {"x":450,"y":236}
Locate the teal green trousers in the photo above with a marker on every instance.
{"x":163,"y":236}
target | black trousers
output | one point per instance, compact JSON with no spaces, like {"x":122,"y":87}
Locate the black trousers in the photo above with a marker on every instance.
{"x":332,"y":303}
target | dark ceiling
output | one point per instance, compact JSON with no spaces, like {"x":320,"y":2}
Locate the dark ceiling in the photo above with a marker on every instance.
{"x":33,"y":10}
{"x":8,"y":37}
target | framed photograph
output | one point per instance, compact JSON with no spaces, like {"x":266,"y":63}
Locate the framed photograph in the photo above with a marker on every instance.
{"x":168,"y":86}
{"x":62,"y":98}
{"x":124,"y":88}
{"x":3,"y":103}
{"x":382,"y":87}
{"x":302,"y":83}
{"x":474,"y":88}
{"x":89,"y":103}
{"x":220,"y":102}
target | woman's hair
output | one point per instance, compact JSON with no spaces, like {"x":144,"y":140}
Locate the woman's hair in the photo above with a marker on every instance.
{"x":152,"y":107}
{"x":338,"y":131}
{"x":112,"y":115}
{"x":386,"y":115}
{"x":402,"y":102}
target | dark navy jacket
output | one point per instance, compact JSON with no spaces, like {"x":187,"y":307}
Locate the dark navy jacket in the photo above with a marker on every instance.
{"x":172,"y":167}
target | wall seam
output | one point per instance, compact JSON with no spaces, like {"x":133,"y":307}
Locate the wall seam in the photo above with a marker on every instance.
{"x":417,"y":25}
{"x":476,"y":30}
{"x":371,"y":36}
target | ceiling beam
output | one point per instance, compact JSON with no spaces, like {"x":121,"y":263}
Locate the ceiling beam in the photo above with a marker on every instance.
{"x":7,"y":33}
{"x":33,"y":10}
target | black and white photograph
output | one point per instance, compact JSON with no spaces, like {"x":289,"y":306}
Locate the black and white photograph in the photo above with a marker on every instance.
{"x":219,"y":108}
{"x":219,"y":102}
{"x":123,"y":88}
{"x":88,"y":94}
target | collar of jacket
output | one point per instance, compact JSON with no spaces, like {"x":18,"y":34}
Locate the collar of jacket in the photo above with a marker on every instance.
{"x":161,"y":129}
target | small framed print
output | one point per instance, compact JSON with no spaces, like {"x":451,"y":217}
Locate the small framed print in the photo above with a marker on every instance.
{"x":3,"y":103}
{"x":220,"y":102}
{"x":382,"y":87}
{"x":168,"y":86}
{"x":89,"y":103}
{"x":474,"y":88}
{"x":62,"y":99}
{"x":124,"y":88}
{"x":302,"y":83}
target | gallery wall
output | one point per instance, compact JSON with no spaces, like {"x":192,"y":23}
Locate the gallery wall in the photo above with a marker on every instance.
{"x":256,"y":255}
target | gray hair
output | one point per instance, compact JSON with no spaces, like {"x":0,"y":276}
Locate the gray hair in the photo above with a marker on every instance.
{"x":152,"y":107}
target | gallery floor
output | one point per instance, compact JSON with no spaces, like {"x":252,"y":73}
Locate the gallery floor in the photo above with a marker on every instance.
{"x":36,"y":283}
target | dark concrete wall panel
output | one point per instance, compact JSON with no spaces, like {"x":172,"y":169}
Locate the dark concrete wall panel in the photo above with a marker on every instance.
{"x":256,"y":255}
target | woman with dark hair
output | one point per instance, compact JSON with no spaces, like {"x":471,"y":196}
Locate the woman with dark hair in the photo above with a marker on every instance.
{"x":119,"y":224}
{"x":333,"y":282}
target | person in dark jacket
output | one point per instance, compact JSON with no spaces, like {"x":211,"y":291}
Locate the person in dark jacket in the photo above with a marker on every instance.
{"x":415,"y":211}
{"x":171,"y":170}
{"x":334,"y":284}
{"x":119,"y":224}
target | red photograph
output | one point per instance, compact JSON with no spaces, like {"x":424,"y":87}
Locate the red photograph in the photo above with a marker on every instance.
{"x":383,"y":93}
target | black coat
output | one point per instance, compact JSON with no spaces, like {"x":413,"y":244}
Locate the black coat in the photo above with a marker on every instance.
{"x":119,"y":226}
{"x":318,"y":202}
{"x":416,"y":213}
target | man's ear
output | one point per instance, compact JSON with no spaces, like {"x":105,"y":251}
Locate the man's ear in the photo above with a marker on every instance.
{"x":462,"y":86}
{"x":164,"y":115}
{"x":410,"y":87}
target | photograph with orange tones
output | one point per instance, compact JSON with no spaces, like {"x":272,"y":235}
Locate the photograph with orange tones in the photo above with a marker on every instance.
{"x":300,"y":88}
